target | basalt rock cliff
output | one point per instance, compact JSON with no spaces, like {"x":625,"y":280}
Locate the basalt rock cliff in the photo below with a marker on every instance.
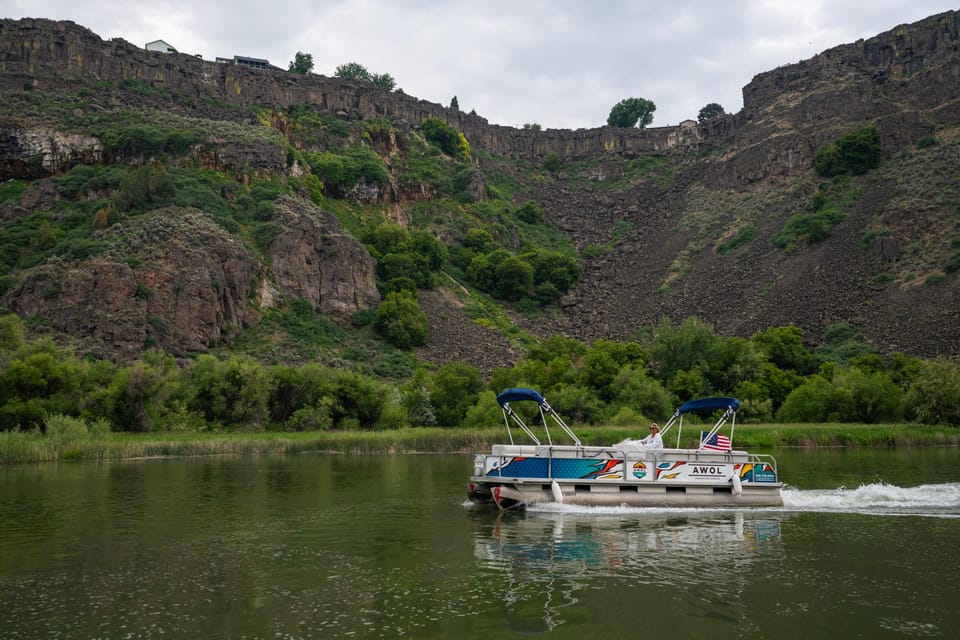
{"x":665,"y":235}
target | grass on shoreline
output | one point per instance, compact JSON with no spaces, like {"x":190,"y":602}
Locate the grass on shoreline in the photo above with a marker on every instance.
{"x":31,"y":447}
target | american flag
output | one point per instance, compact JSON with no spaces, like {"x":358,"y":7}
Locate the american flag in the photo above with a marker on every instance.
{"x":718,"y":442}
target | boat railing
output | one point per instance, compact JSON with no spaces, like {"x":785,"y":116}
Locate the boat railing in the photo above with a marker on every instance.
{"x":505,"y":453}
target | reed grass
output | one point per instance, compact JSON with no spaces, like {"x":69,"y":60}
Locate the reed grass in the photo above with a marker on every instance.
{"x":30,"y":447}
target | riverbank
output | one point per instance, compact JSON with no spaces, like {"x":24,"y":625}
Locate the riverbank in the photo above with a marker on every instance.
{"x":18,"y":448}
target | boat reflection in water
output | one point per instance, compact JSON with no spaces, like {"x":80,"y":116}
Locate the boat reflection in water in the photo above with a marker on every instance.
{"x":551,"y":556}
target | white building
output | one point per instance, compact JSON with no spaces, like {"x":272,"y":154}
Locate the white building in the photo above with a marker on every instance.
{"x":161,"y":46}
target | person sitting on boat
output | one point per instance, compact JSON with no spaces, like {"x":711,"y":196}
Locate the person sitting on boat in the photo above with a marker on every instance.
{"x":654,"y":440}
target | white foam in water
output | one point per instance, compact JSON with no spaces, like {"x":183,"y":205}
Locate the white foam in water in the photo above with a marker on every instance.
{"x":941,"y":500}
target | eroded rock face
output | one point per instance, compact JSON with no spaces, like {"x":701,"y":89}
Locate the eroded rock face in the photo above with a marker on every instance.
{"x":33,"y":152}
{"x":170,"y":278}
{"x":312,"y":258}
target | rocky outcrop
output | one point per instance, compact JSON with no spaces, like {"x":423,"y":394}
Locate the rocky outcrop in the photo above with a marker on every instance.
{"x":313,"y":259}
{"x":804,"y":98}
{"x":171,"y":278}
{"x":46,"y":55}
{"x":903,"y":81}
{"x":27,"y":153}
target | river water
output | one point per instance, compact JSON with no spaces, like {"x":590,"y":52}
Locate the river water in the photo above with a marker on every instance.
{"x":385,"y":546}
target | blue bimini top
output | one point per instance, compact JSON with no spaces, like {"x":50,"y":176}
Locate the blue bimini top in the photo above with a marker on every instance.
{"x":519,"y":393}
{"x":704,"y":405}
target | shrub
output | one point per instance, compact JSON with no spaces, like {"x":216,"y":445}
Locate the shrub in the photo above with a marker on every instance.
{"x":553,"y":268}
{"x":405,"y":265}
{"x":401,"y":321}
{"x":11,"y":190}
{"x":856,"y":153}
{"x":530,"y":212}
{"x":953,"y":263}
{"x":144,"y":188}
{"x":397,"y":285}
{"x":812,"y":227}
{"x":301,"y":398}
{"x":348,"y":168}
{"x":513,"y":278}
{"x":449,"y":140}
{"x":745,"y":235}
{"x":62,"y":430}
{"x":552,"y":161}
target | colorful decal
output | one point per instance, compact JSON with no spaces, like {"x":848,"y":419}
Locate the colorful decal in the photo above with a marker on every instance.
{"x":601,"y":469}
{"x":762,"y":472}
{"x":640,"y":469}
{"x":669,"y":466}
{"x":566,"y":468}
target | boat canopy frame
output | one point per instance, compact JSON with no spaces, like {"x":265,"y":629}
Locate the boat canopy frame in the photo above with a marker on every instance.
{"x":705,"y":405}
{"x":519,"y":394}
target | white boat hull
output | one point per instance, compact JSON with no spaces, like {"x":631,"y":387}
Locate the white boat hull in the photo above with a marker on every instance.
{"x":514,"y":495}
{"x":515,"y":476}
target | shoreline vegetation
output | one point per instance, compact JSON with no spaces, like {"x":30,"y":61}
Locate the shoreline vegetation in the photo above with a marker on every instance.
{"x":34,"y":447}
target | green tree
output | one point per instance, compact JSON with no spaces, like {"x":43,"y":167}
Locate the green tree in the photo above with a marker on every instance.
{"x":485,"y":413}
{"x":415,"y":398}
{"x":632,"y":112}
{"x":479,"y":239}
{"x":710,"y":111}
{"x":783,"y":347}
{"x":356,"y":71}
{"x":302,"y":63}
{"x":352,"y":71}
{"x":231,"y":393}
{"x":681,"y":348}
{"x":139,"y":394}
{"x":604,"y":360}
{"x":383,"y":81}
{"x":11,"y":334}
{"x":577,"y":403}
{"x":38,"y":379}
{"x":513,"y":279}
{"x":401,"y":321}
{"x":935,"y":392}
{"x":553,"y":267}
{"x":430,"y":248}
{"x":300,"y":390}
{"x":405,"y":265}
{"x":454,"y":103}
{"x":453,"y":390}
{"x":386,"y":237}
{"x":635,"y":389}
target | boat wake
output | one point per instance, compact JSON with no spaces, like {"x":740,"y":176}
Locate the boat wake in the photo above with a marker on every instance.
{"x":934,"y":500}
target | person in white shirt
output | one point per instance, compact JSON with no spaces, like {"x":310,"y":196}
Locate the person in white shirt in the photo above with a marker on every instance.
{"x":654,"y":440}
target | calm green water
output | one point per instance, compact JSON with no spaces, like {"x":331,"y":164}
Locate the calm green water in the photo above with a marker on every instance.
{"x":383,"y":546}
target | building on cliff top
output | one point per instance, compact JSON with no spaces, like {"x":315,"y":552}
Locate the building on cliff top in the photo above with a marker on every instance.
{"x":255,"y":63}
{"x":161,"y":46}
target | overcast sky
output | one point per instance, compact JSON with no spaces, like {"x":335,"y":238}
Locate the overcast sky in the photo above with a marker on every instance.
{"x":558,"y":63}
